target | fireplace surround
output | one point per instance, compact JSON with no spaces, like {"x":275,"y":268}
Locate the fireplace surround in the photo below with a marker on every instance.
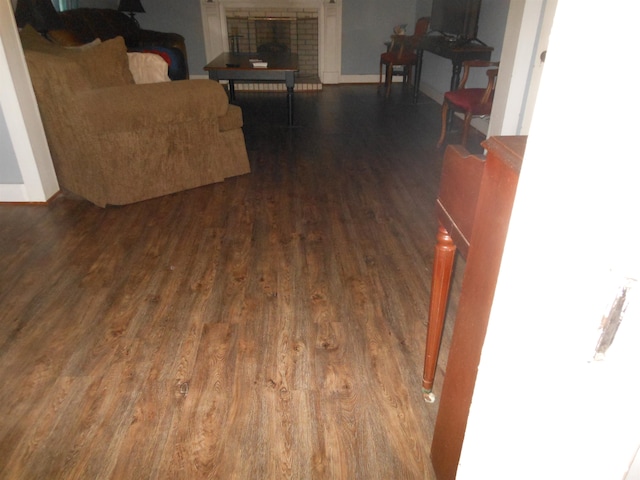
{"x":316,"y":25}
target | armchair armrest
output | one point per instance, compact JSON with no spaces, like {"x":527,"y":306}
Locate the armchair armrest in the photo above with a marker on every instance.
{"x":491,"y":85}
{"x":467,"y":65}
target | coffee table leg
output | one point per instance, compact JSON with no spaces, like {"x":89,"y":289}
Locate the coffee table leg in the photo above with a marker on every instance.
{"x":232,"y":91}
{"x":290,"y":82}
{"x":290,"y":104}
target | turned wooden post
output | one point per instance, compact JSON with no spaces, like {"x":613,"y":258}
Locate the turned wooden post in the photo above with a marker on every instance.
{"x":440,"y":282}
{"x":455,"y":209}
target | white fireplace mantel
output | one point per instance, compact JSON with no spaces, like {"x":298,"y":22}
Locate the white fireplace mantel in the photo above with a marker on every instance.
{"x":329,"y":29}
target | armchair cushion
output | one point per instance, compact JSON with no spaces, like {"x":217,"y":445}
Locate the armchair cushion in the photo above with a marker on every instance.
{"x":103,"y":65}
{"x":92,"y":61}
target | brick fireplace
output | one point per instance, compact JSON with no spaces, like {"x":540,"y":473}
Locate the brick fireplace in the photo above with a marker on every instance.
{"x":296,"y":33}
{"x":309,"y":28}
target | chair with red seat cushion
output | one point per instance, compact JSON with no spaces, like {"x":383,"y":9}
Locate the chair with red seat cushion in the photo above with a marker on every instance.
{"x":472,"y":102}
{"x":402,"y":52}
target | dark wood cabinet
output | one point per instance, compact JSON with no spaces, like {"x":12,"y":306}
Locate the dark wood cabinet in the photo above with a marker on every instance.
{"x":474,"y":208}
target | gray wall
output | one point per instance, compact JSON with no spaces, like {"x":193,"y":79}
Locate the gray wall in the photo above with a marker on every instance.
{"x":423,"y":8}
{"x":366,"y":25}
{"x":9,"y":169}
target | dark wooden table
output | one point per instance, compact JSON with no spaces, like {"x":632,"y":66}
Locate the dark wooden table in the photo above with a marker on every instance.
{"x":456,"y":52}
{"x":238,"y":66}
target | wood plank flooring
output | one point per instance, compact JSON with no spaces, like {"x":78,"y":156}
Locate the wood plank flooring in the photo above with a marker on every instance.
{"x":268,"y":327}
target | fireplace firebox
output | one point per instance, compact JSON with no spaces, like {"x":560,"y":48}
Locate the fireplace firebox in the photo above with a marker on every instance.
{"x":294,"y":33}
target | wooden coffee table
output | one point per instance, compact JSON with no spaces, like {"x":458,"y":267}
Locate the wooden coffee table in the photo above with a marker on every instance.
{"x":239,"y":66}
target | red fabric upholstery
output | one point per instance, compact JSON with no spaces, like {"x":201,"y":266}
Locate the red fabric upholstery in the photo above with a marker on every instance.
{"x":468,"y":100}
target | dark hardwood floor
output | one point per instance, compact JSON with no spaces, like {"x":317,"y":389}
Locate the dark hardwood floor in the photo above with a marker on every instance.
{"x":271,"y":326}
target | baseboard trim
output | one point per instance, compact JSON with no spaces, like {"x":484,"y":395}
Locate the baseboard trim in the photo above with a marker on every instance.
{"x":366,"y":79}
{"x":11,"y":193}
{"x":16,"y":194}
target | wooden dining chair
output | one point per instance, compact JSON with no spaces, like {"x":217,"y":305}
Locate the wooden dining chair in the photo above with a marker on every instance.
{"x":472,"y":102}
{"x":402,"y":52}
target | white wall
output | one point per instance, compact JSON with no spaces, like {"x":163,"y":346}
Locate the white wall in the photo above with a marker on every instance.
{"x":521,"y":66}
{"x":23,"y":120}
{"x":542,"y":407}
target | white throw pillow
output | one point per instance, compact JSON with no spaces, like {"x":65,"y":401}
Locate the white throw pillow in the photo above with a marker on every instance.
{"x":148,"y":67}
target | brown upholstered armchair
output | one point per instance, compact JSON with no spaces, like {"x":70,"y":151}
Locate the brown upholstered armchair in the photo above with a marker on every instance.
{"x":116,"y":142}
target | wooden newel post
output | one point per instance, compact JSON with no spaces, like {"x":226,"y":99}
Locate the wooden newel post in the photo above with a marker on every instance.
{"x":440,"y":282}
